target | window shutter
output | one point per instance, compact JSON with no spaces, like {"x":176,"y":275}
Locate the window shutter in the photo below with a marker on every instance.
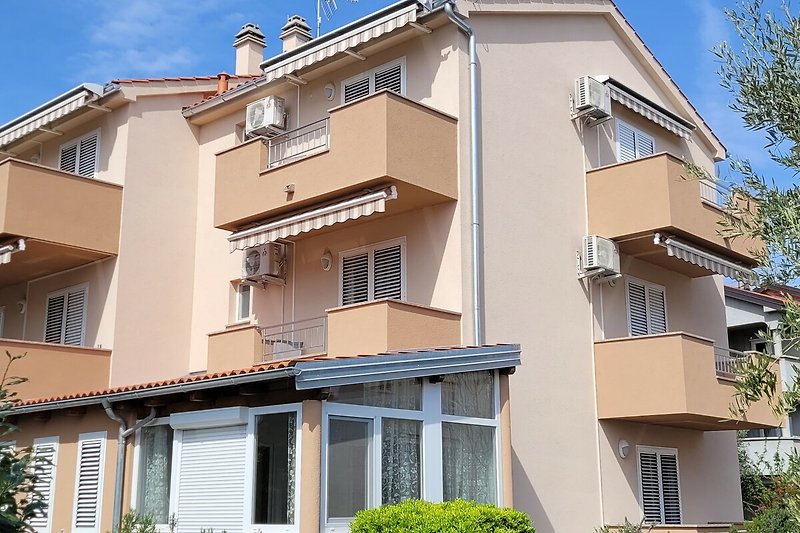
{"x":88,"y":489}
{"x":656,"y":310}
{"x":87,"y":156}
{"x":388,"y":274}
{"x":670,"y":488}
{"x":390,"y":78}
{"x":355,"y":279}
{"x":54,"y":318}
{"x":68,"y":158}
{"x":211,"y":480}
{"x":645,"y":145}
{"x":74,"y":325}
{"x":651,"y":494}
{"x":44,"y":463}
{"x":637,"y":308}
{"x":356,"y":89}
{"x":2,"y":320}
{"x":626,"y":138}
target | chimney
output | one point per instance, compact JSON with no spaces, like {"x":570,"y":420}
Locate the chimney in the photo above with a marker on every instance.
{"x":222,"y":82}
{"x":249,"y":46}
{"x":295,"y":33}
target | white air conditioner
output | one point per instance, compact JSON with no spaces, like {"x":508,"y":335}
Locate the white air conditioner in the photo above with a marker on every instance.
{"x":592,"y":99}
{"x":600,"y":256}
{"x":263,"y":262}
{"x":266,"y":117}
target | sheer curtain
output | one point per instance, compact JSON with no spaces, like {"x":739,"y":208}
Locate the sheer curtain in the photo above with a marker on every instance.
{"x":400,"y":458}
{"x":156,"y":466}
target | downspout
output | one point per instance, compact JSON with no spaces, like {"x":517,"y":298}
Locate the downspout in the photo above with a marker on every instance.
{"x":475,"y":171}
{"x":124,"y":433}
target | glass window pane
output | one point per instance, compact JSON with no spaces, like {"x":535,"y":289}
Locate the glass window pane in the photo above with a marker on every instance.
{"x":348,"y":467}
{"x":470,"y":394}
{"x":397,"y":394}
{"x":468,"y":463}
{"x":275,"y":468}
{"x":243,"y":311}
{"x":156,"y":464}
{"x":400,"y":460}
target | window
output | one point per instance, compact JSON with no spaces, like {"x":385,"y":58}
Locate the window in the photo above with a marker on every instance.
{"x":45,"y":457}
{"x":647,"y":307}
{"x":276,"y":458}
{"x":386,"y":442}
{"x":89,"y":482}
{"x":391,"y":76}
{"x":632,"y":143}
{"x":659,"y":485}
{"x":80,"y":156}
{"x":373,"y":272}
{"x":243,"y":302}
{"x":155,"y":468}
{"x":65,"y":321}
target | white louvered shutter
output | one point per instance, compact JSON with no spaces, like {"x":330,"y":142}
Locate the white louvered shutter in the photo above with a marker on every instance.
{"x":68,"y":158}
{"x":356,"y":89}
{"x":87,"y":156}
{"x":637,"y":308}
{"x":626,"y":140}
{"x":390,"y":78}
{"x":656,"y":310}
{"x":355,"y":279}
{"x":89,"y":483}
{"x":211,"y":480}
{"x":54,"y":319}
{"x":45,"y":453}
{"x":74,"y":320}
{"x":670,"y":489}
{"x":645,"y":145}
{"x":388,"y":278}
{"x":650,"y":486}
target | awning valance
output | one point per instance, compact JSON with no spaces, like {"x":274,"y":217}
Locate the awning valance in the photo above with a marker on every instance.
{"x":704,"y":259}
{"x":649,"y":112}
{"x":360,"y":206}
{"x":357,"y":36}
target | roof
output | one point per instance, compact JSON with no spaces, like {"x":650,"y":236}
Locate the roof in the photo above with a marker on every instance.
{"x":183,"y":78}
{"x":402,"y":363}
{"x":756,"y":297}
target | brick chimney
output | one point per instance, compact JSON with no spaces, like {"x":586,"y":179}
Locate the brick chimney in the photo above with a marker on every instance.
{"x":249,"y":45}
{"x":295,"y":33}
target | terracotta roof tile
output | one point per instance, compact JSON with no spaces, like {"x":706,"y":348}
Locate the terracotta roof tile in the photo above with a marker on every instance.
{"x":183,"y":78}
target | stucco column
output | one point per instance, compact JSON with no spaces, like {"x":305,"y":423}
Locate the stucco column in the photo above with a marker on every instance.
{"x":311,"y":457}
{"x":505,"y":442}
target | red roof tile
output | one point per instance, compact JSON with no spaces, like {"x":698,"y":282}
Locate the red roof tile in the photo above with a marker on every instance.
{"x":183,"y":78}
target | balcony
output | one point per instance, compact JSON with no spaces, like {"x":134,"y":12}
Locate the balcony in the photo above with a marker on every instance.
{"x":66,"y":220}
{"x":630,"y":202}
{"x":56,"y":370}
{"x":383,"y":139}
{"x":672,"y":379}
{"x":382,"y":326}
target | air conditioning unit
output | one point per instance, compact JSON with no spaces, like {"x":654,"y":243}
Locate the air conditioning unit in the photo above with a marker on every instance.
{"x":600,"y":256}
{"x":592,"y":99}
{"x":261,"y":263}
{"x":266,"y":117}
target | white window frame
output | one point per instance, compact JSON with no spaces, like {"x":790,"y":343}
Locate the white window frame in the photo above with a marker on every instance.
{"x":431,"y":417}
{"x":636,"y":134}
{"x":237,"y":318}
{"x":371,"y":75}
{"x":51,"y":504}
{"x":137,"y":458}
{"x":100,"y":495}
{"x":65,"y":291}
{"x":646,"y":284}
{"x":370,"y":251}
{"x":658,"y":450}
{"x":77,"y":141}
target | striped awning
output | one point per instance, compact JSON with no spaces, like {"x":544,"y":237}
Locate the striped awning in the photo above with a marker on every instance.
{"x":705,"y":259}
{"x":649,"y":112}
{"x":359,"y":35}
{"x":321,"y":217}
{"x":47,"y":114}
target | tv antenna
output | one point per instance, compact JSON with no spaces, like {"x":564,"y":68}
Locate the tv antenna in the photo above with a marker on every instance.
{"x":327,"y":8}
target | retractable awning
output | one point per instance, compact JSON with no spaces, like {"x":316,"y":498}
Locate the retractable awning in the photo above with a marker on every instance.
{"x":8,"y":249}
{"x":351,"y":39}
{"x":360,"y":206}
{"x":637,"y":105}
{"x":704,"y":259}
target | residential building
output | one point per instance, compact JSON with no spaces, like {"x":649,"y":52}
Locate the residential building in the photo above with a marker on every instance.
{"x":396,"y":233}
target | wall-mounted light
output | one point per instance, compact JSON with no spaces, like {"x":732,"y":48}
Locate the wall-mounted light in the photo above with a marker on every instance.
{"x":22,"y":306}
{"x":326,"y":260}
{"x":623,"y":448}
{"x":330,"y":91}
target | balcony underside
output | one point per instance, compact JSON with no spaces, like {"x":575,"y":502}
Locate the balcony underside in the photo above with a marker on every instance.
{"x":41,"y":259}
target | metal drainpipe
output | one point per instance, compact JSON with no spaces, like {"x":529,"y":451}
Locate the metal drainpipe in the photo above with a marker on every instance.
{"x":475,"y":171}
{"x":124,"y":433}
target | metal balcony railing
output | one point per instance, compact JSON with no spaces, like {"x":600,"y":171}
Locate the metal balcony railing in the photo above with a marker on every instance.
{"x":728,"y":362}
{"x":715,"y":193}
{"x":293,"y":339}
{"x":298,"y":143}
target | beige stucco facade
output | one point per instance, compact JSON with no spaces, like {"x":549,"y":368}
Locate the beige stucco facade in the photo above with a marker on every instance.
{"x":163,"y":295}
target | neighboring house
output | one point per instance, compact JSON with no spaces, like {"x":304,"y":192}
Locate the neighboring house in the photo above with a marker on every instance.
{"x":753,"y":325}
{"x":360,"y":358}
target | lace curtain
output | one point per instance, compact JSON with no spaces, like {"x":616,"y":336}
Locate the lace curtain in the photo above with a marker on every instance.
{"x":400,"y":458}
{"x":468,"y":462}
{"x":156,"y":466}
{"x":470,"y":394}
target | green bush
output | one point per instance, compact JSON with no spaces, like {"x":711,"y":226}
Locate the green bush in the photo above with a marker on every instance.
{"x":459,"y":516}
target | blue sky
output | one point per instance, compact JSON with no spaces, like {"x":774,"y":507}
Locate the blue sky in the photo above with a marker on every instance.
{"x":67,"y":43}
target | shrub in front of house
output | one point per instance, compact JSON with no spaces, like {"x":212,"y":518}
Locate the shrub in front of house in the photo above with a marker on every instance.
{"x":459,"y":516}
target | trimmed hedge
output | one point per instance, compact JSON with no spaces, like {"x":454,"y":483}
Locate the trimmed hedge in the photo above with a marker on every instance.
{"x":459,"y":516}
